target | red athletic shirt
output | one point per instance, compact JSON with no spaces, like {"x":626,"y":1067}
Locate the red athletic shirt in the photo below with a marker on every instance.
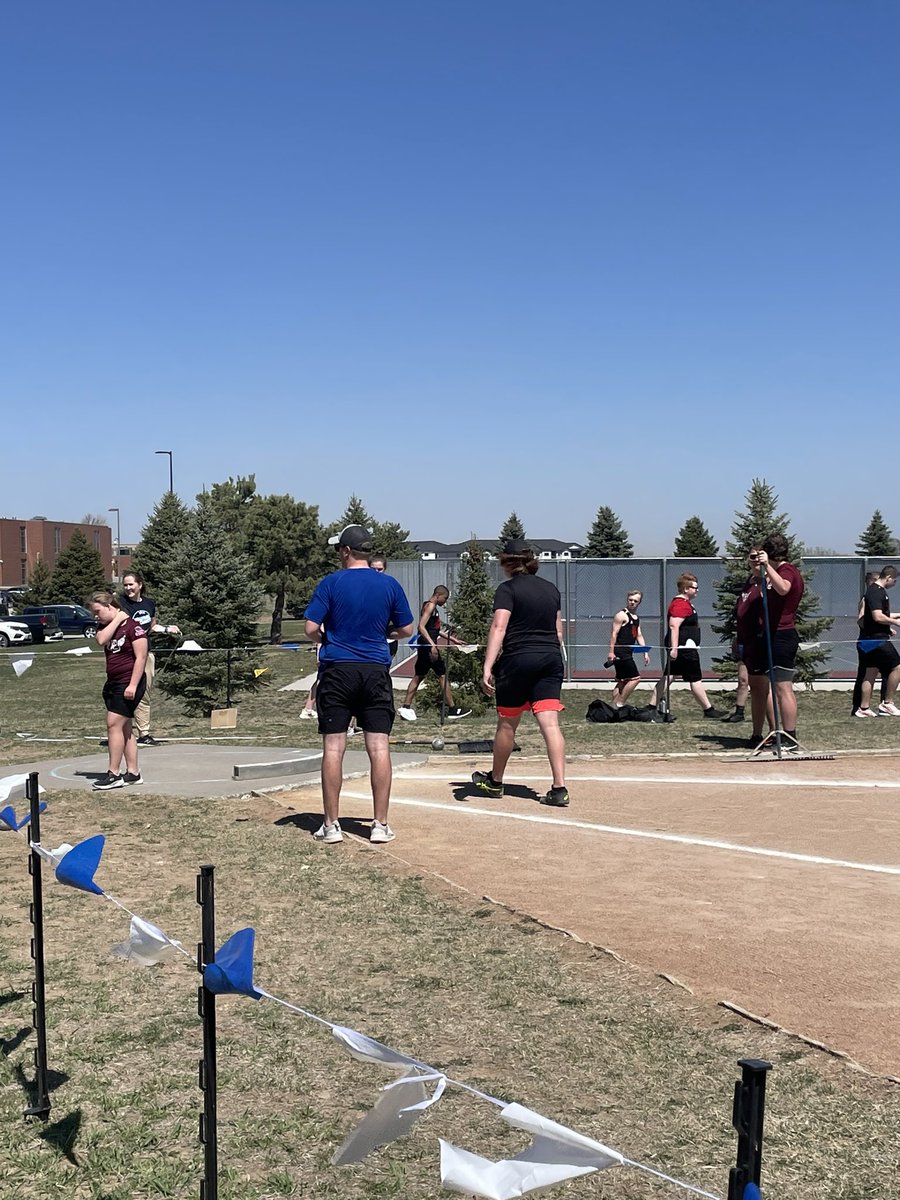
{"x":120,"y":657}
{"x":782,"y":609}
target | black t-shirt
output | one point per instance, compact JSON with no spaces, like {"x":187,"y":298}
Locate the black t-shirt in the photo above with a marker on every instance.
{"x":875,"y":600}
{"x":533,"y":604}
{"x":143,"y":611}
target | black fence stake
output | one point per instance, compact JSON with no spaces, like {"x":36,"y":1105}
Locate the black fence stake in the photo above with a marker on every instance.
{"x":747,"y":1118}
{"x":227,"y":680}
{"x":41,"y":1105}
{"x":206,"y":1007}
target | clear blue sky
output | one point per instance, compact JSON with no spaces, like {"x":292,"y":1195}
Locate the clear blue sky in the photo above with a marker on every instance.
{"x":456,"y":258}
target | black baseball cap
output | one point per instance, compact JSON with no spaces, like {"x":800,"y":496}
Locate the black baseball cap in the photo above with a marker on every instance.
{"x":354,"y":537}
{"x":517,"y":546}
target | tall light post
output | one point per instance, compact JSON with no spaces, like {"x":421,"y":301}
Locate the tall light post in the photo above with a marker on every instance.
{"x":118,"y":546}
{"x":169,"y":452}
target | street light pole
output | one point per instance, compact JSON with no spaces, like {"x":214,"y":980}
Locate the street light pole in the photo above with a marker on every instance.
{"x":118,"y":545}
{"x":169,"y":452}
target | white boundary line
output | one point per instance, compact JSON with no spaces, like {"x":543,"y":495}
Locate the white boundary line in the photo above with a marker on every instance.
{"x":718,"y":781}
{"x":617,"y":831}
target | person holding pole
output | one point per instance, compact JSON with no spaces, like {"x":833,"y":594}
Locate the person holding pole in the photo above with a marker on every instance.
{"x":784,"y":590}
{"x":142,"y":608}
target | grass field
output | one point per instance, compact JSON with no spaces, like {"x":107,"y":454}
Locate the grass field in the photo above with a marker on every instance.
{"x":58,"y":699}
{"x":492,"y":999}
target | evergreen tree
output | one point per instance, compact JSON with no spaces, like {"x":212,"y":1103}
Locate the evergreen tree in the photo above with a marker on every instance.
{"x":231,"y":504}
{"x":512,"y":528}
{"x":607,"y":537}
{"x":354,"y":514}
{"x":388,"y":539}
{"x":285,"y":543}
{"x":876,"y":540}
{"x":751,"y":527}
{"x":40,"y":585}
{"x":695,"y":541}
{"x":211,"y":591}
{"x":159,"y":539}
{"x":78,"y":572}
{"x":471,"y":611}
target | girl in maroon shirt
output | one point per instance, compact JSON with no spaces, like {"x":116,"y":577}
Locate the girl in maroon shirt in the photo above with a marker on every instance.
{"x":125,"y":645}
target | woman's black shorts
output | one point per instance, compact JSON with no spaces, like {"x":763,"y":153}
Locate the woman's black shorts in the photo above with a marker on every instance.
{"x":686,"y":665}
{"x":115,"y":700}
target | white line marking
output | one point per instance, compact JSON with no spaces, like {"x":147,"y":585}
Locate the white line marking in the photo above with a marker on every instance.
{"x":617,"y":831}
{"x":743,"y":780}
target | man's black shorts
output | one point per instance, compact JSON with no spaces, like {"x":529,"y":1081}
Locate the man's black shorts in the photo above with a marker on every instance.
{"x":882,"y":658}
{"x":115,"y":700}
{"x":686,"y":665}
{"x":524,"y":680}
{"x":425,"y":663}
{"x":355,"y":689}
{"x":626,"y":668}
{"x":785,"y":644}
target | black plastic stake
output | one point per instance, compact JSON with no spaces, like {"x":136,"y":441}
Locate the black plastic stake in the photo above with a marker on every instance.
{"x":227,"y":685}
{"x":41,"y":1105}
{"x":747,"y":1118}
{"x":206,"y":1007}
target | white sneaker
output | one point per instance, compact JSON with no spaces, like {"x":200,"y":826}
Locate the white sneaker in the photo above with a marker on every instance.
{"x":865,"y":712}
{"x":352,"y":731}
{"x":381,"y":833}
{"x":329,"y":833}
{"x":308,"y":714}
{"x":408,"y":714}
{"x":888,"y":710}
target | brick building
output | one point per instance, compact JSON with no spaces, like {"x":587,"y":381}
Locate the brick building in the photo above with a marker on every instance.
{"x":22,"y":542}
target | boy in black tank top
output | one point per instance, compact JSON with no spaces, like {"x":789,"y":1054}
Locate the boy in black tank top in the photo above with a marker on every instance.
{"x":624,"y":636}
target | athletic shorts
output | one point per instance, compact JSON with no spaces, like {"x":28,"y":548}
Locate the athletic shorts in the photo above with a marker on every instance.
{"x":882,"y":658}
{"x":532,"y":680}
{"x":425,"y":663}
{"x":626,"y":668}
{"x":116,"y":701}
{"x":686,"y":666}
{"x":355,"y":689}
{"x":785,"y":644}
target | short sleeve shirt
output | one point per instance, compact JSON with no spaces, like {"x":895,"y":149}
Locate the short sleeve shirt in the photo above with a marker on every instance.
{"x":875,"y":600}
{"x":532,"y":604}
{"x":143,"y":611}
{"x":357,"y":607}
{"x":783,"y":609}
{"x":120,"y":657}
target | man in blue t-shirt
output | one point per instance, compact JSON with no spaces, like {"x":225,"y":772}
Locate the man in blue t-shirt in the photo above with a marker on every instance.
{"x":352,"y":614}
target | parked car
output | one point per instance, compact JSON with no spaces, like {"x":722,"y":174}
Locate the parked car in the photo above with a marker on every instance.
{"x":73,"y":618}
{"x":44,"y":626}
{"x":14,"y":633}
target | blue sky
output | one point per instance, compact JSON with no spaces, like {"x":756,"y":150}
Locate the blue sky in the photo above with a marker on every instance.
{"x":458,"y":259}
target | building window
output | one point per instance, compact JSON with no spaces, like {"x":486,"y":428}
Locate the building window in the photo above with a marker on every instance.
{"x":23,"y":539}
{"x":24,"y":578}
{"x":96,"y":539}
{"x":57,"y":539}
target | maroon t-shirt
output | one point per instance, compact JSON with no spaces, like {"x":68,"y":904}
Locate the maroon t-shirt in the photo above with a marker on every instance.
{"x":120,"y":657}
{"x":782,"y":609}
{"x":749,"y":612}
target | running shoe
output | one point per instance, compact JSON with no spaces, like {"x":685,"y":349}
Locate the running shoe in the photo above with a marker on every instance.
{"x":107,"y":782}
{"x":456,"y":714}
{"x":330,"y":834}
{"x":557,"y":798}
{"x":146,"y":740}
{"x":381,"y":833}
{"x":888,"y":710}
{"x":714,"y":714}
{"x":734,"y":719}
{"x":128,"y":779}
{"x":865,"y":712}
{"x":486,"y":783}
{"x":408,"y":714}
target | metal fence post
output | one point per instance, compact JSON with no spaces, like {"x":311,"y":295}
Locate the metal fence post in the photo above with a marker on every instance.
{"x":41,"y":1102}
{"x":206,"y":1007}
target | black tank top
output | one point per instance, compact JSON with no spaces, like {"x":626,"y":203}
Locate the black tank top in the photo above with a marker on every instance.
{"x":627,"y":635}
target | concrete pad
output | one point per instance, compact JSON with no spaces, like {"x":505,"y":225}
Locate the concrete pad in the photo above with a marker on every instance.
{"x":195,"y":771}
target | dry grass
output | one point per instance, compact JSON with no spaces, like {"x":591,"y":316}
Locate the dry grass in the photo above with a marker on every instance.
{"x":492,"y":999}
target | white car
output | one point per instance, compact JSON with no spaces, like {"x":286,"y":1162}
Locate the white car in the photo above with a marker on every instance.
{"x":13,"y":633}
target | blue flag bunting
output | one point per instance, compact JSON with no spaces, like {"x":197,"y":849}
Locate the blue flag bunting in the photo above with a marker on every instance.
{"x":78,"y":867}
{"x":232,"y":972}
{"x":9,"y":819}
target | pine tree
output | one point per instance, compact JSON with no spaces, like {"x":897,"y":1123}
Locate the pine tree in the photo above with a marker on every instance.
{"x":388,"y":539}
{"x":211,"y":591}
{"x":471,"y":612}
{"x":159,"y":540}
{"x":695,"y":541}
{"x":40,"y":585}
{"x":285,"y":543}
{"x":750,"y":528}
{"x":607,"y":537}
{"x":78,"y":572}
{"x":512,"y":528}
{"x":231,"y":503}
{"x":876,"y":540}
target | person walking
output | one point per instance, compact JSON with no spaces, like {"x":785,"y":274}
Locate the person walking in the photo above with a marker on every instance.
{"x":352,"y":614}
{"x":682,"y":640}
{"x":624,"y":636}
{"x":879,"y":654}
{"x":428,"y":657}
{"x":523,"y":668}
{"x":871,"y":577}
{"x":142,"y":609}
{"x":125,"y":645}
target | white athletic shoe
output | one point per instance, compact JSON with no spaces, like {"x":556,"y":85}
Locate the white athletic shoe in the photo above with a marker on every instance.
{"x":329,"y":833}
{"x":408,"y":714}
{"x":865,"y":712}
{"x":381,"y":833}
{"x":888,"y":710}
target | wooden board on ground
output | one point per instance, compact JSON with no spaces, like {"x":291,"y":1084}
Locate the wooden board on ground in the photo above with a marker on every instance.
{"x":223,"y":718}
